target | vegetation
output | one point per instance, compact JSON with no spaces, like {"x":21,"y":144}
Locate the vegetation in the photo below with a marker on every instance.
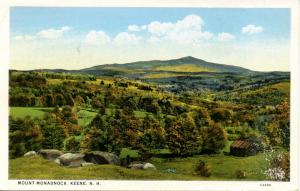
{"x":167,"y":113}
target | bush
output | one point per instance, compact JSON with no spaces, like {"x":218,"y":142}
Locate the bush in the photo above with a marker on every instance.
{"x":72,"y":144}
{"x":240,"y":174}
{"x":203,"y":169}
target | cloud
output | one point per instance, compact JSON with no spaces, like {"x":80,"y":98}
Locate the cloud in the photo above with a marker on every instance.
{"x":97,"y":37}
{"x":252,"y":29}
{"x":225,"y":37}
{"x":133,"y":28}
{"x":154,"y":40}
{"x":125,"y":38}
{"x":25,"y":37}
{"x":185,"y":31}
{"x":53,"y":33}
{"x":158,"y":28}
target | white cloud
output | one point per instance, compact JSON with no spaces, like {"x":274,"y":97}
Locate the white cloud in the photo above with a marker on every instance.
{"x":25,"y":37}
{"x":225,"y":37}
{"x":144,"y":27}
{"x":153,"y":40}
{"x":125,"y":38}
{"x":185,"y":31}
{"x":158,"y":28}
{"x":97,"y":37}
{"x":53,"y":33}
{"x":133,"y":28}
{"x":252,"y":29}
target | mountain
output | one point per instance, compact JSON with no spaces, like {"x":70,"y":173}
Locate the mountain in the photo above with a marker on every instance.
{"x":182,"y":65}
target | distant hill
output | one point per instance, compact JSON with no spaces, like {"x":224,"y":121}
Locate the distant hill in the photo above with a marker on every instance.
{"x":185,"y":64}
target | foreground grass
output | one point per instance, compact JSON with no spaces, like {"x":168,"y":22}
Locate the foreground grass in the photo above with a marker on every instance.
{"x":223,"y":168}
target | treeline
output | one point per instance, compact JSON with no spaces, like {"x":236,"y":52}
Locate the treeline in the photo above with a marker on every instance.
{"x":188,"y":134}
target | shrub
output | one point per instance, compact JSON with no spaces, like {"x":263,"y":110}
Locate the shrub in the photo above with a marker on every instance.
{"x":203,"y":169}
{"x":72,"y":144}
{"x":240,"y":174}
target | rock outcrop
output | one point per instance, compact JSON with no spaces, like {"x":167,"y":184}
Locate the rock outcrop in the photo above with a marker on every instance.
{"x":50,"y":154}
{"x":99,"y":157}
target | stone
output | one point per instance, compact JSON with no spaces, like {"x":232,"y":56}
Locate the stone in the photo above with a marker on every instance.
{"x":136,"y":166}
{"x":87,"y":164}
{"x":149,"y":166}
{"x":99,"y":157}
{"x":71,"y":159}
{"x":57,"y":161}
{"x":30,"y":153}
{"x":50,"y":154}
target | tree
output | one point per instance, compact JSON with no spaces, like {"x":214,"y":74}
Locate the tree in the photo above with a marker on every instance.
{"x":53,"y":132}
{"x":49,"y":100}
{"x":72,"y":144}
{"x":59,"y":100}
{"x":102,"y":136}
{"x":184,"y":138}
{"x":221,"y":115}
{"x":153,"y":136}
{"x":214,"y":138}
{"x":24,"y":135}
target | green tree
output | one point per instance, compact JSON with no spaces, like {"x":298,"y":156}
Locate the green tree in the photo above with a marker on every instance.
{"x":152,"y":137}
{"x":184,"y":138}
{"x":214,"y":138}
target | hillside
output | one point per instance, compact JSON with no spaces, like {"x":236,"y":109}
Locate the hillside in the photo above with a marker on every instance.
{"x":185,"y":64}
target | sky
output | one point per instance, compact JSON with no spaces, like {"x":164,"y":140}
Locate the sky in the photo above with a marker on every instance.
{"x":76,"y":38}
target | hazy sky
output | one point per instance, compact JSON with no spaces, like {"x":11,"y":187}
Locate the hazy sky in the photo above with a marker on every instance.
{"x":75,"y":38}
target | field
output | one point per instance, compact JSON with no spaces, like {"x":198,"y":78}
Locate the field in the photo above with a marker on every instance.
{"x":223,"y":168}
{"x":34,"y":112}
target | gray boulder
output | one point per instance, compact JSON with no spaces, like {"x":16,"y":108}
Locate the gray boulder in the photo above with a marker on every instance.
{"x":136,"y":166}
{"x":99,"y":157}
{"x":87,"y":164}
{"x":149,"y":166}
{"x":30,"y":153}
{"x":50,"y":154}
{"x":57,"y":161}
{"x":71,"y":159}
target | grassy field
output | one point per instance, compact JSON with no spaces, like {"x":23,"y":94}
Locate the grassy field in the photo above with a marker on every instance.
{"x":223,"y":168}
{"x":85,"y":117}
{"x":21,"y":112}
{"x":183,"y":68}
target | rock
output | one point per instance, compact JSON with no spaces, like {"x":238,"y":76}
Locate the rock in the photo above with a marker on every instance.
{"x":30,"y":153}
{"x":87,"y":164}
{"x":57,"y":161}
{"x":71,"y":159}
{"x":99,"y":157}
{"x":50,"y":154}
{"x":136,"y":166}
{"x":149,"y":166}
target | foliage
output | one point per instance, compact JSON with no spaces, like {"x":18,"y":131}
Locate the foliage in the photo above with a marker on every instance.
{"x":183,"y":137}
{"x":203,"y":169}
{"x":24,"y":135}
{"x":72,"y":144}
{"x":214,"y":138}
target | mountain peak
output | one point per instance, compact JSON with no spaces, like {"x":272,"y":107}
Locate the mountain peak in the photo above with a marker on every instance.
{"x":189,"y":58}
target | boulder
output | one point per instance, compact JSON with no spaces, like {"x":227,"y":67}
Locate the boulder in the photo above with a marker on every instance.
{"x":57,"y":161}
{"x":136,"y":166}
{"x":142,"y":166}
{"x":149,"y":166}
{"x":30,"y":153}
{"x":87,"y":164}
{"x":50,"y":154}
{"x":71,"y":159}
{"x":99,"y":157}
